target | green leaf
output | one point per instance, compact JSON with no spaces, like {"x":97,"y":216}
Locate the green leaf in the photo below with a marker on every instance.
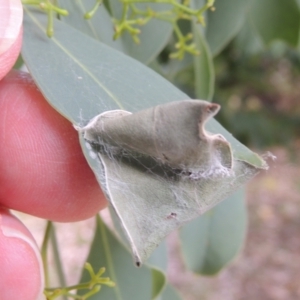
{"x":158,"y":282}
{"x":157,"y":261}
{"x":89,"y":77}
{"x":224,"y":23}
{"x":153,"y":37}
{"x":248,"y":41}
{"x":131,"y":282}
{"x":203,"y":67}
{"x":82,"y":78}
{"x":151,"y":199}
{"x":212,"y":240}
{"x":158,"y":258}
{"x":276,"y":20}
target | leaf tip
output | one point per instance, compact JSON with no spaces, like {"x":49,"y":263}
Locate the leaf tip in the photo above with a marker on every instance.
{"x":138,"y":263}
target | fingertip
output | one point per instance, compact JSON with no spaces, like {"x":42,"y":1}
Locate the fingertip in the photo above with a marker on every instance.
{"x":21,"y":275}
{"x":11,"y":17}
{"x":43,"y":170}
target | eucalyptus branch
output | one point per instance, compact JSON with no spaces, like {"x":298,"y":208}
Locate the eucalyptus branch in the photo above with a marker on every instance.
{"x":182,"y":46}
{"x":93,"y":286}
{"x":44,"y":250}
{"x":50,"y":9}
{"x":91,"y":13}
{"x":133,"y":17}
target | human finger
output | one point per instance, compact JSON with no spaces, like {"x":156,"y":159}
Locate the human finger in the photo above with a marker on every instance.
{"x":11,"y":17}
{"x":42,"y":169}
{"x":21,"y":275}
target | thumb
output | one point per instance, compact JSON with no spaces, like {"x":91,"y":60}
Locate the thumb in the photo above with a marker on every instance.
{"x":11,"y":17}
{"x":21,"y":275}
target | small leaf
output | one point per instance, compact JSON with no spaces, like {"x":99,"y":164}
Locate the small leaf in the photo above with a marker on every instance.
{"x":212,"y":240}
{"x":131,"y":282}
{"x":158,"y":282}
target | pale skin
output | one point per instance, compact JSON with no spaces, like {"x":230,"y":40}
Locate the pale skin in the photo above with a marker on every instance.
{"x":42,"y":169}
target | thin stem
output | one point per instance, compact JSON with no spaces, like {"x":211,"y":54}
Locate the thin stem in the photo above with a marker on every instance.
{"x":50,"y":19}
{"x":44,"y":251}
{"x":177,"y":31}
{"x":57,"y":259}
{"x":91,"y":13}
{"x":124,"y":13}
{"x":31,"y":2}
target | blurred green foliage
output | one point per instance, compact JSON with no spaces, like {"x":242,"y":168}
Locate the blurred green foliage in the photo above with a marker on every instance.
{"x":260,"y":95}
{"x":257,"y":73}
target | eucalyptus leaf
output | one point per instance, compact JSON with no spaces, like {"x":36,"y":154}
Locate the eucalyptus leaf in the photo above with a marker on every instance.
{"x":224,"y":22}
{"x":157,"y":261}
{"x":212,"y":240}
{"x":83,"y":78}
{"x":161,"y":169}
{"x":131,"y":283}
{"x":203,"y":67}
{"x":158,"y":258}
{"x":248,"y":41}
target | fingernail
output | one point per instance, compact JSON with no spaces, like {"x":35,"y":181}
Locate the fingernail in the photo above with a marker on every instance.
{"x":11,"y":16}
